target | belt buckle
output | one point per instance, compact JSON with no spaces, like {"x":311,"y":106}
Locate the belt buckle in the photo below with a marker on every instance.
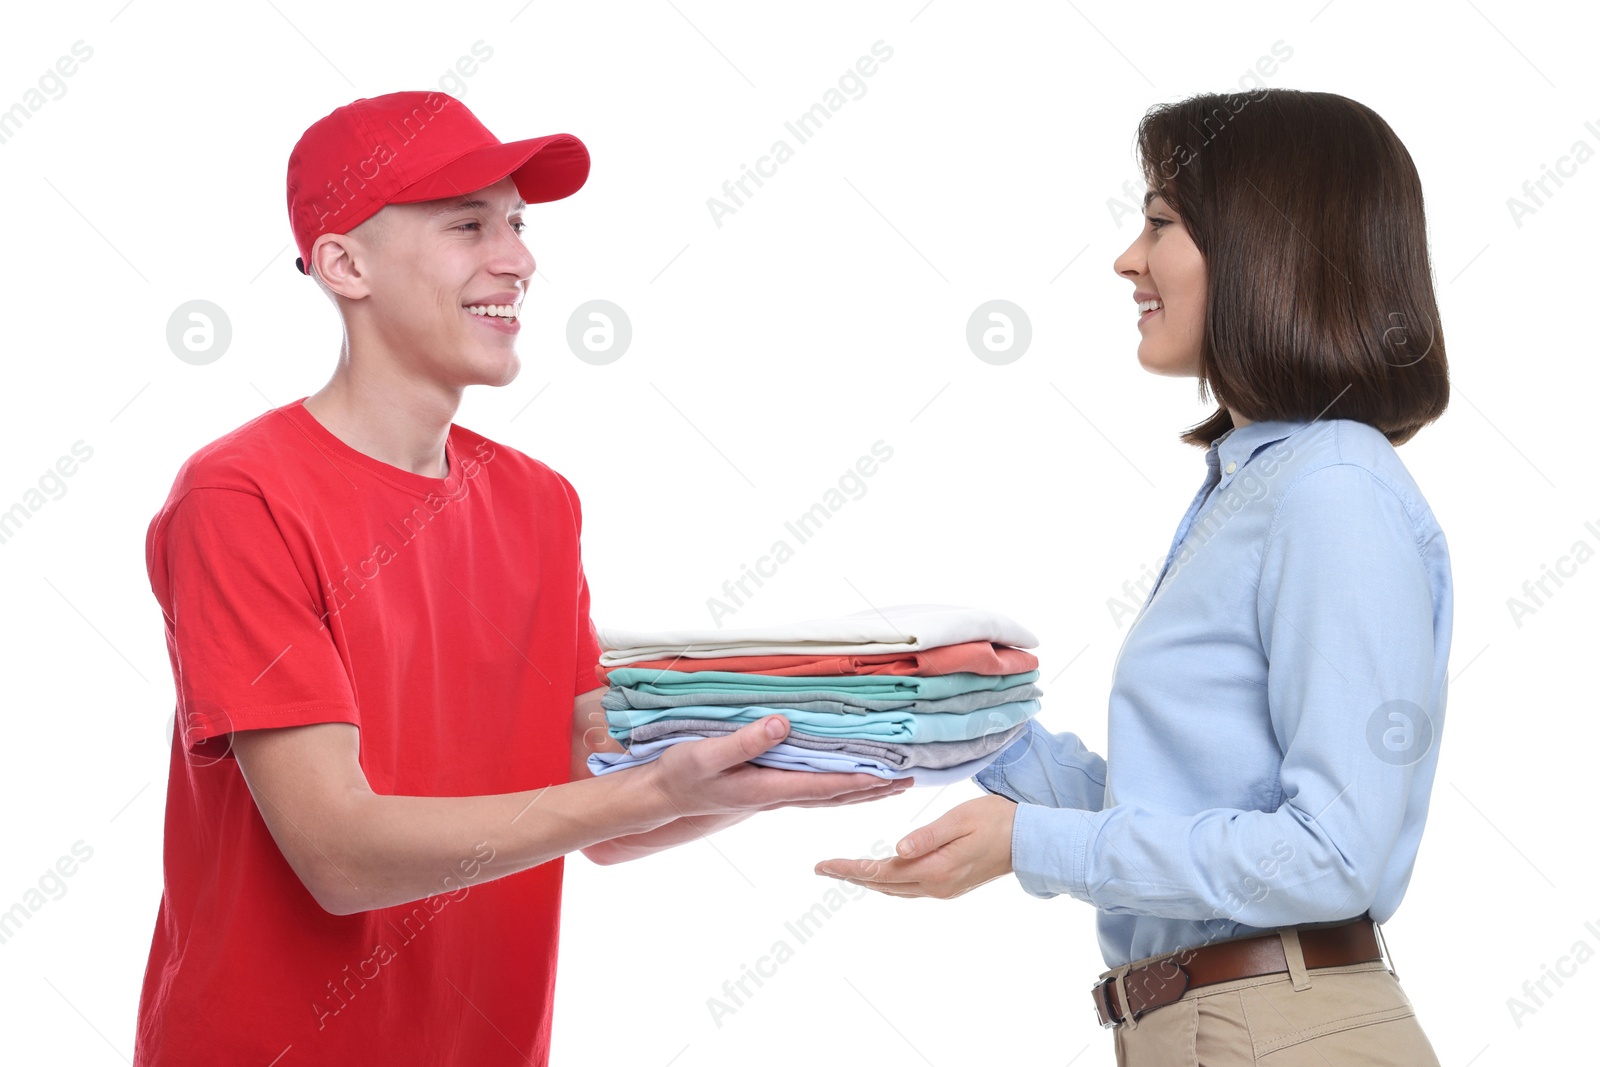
{"x":1102,"y":1004}
{"x":1101,"y":991}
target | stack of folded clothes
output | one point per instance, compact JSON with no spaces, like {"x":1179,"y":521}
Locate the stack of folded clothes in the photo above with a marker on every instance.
{"x":930,"y":691}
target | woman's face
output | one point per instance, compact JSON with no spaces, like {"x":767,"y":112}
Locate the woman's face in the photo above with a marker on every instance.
{"x":1163,"y":264}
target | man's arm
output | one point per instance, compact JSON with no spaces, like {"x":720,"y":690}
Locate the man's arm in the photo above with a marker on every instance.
{"x":356,"y":850}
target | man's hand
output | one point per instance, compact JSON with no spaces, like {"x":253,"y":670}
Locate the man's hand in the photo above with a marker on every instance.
{"x":961,"y":850}
{"x":711,"y":786}
{"x":713,"y":777}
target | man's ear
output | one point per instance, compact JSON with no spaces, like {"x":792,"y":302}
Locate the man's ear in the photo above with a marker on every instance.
{"x":334,"y":261}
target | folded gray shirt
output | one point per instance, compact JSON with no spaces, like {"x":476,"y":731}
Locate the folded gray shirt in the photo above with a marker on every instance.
{"x":930,"y":754}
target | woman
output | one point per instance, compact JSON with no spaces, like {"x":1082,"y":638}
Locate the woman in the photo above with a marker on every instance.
{"x":1277,"y":704}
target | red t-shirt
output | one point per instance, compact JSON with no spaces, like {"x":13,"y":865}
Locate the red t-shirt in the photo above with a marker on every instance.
{"x":448,"y":618}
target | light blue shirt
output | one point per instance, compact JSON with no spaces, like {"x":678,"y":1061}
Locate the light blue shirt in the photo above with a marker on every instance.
{"x":1275,"y":710}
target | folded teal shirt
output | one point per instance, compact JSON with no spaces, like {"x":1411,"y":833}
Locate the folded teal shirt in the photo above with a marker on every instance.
{"x":933,"y":687}
{"x":902,"y":726}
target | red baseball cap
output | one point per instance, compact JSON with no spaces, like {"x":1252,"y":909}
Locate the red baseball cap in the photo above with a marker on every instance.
{"x":405,"y":147}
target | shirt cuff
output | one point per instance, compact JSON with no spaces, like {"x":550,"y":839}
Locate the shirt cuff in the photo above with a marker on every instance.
{"x":1050,"y":850}
{"x":992,"y":780}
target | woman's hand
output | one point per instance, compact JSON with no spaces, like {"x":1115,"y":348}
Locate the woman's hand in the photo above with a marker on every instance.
{"x":961,"y":850}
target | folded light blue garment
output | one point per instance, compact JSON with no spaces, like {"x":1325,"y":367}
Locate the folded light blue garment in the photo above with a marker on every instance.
{"x":907,"y":726}
{"x":759,"y":687}
{"x":785,"y":756}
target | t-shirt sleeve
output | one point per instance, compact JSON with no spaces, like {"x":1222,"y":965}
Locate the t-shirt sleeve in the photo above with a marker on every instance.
{"x":247,"y":635}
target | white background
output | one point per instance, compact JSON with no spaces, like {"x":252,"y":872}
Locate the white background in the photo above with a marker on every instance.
{"x":769,"y":353}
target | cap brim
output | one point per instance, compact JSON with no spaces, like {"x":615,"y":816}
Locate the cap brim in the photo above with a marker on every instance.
{"x":544,"y":169}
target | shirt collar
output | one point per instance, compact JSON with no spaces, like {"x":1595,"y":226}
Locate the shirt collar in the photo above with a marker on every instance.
{"x":1233,"y":449}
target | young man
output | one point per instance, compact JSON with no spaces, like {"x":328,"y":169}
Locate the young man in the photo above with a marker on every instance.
{"x":379,"y":631}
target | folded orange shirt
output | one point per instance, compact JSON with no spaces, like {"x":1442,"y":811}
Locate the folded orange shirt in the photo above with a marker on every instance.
{"x":973,"y":657}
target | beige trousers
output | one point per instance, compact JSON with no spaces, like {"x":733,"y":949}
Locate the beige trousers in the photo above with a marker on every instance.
{"x":1355,"y":1014}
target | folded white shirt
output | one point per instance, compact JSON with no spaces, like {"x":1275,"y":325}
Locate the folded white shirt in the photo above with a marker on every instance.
{"x":898,"y":628}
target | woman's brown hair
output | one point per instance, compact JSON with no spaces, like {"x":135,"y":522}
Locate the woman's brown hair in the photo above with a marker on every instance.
{"x":1308,"y":211}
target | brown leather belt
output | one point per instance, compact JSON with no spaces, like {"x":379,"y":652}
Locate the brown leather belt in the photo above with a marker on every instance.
{"x":1165,"y":980}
